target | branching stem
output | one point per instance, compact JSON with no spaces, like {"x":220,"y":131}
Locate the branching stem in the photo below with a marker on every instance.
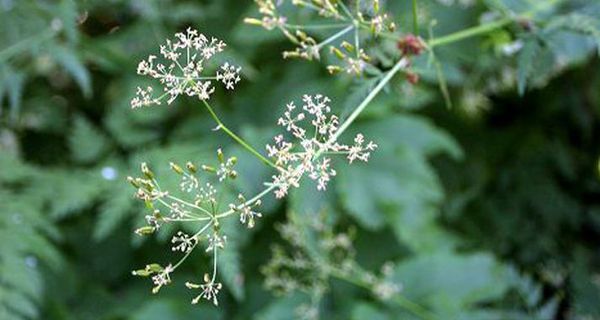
{"x":235,"y":137}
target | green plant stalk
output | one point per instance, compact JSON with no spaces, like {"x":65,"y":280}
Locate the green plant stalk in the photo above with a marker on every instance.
{"x":384,"y":81}
{"x":470,"y":32}
{"x":237,"y":138}
{"x":399,"y":300}
{"x":415,"y":17}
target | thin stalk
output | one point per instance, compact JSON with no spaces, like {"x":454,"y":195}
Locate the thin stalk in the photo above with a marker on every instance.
{"x":399,"y":65}
{"x":247,"y":203}
{"x":470,"y":32}
{"x":194,"y":246}
{"x":334,"y":37}
{"x":401,"y":301}
{"x":237,"y":138}
{"x":316,"y":26}
{"x":415,"y":17}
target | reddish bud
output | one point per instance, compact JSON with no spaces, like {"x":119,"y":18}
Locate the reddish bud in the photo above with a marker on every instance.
{"x":411,"y":45}
{"x":412,"y":77}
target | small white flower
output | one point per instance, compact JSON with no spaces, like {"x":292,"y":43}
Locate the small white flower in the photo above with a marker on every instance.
{"x":384,"y":290}
{"x":310,"y":155}
{"x":178,"y":210}
{"x":247,"y":214}
{"x":229,"y":75}
{"x":322,"y":173}
{"x":226,"y":169}
{"x":210,"y":290}
{"x":360,"y":152}
{"x":188,"y":183}
{"x":184,"y":242}
{"x":163,"y":278}
{"x":215,"y":241}
{"x":179,"y":69}
{"x":206,"y":194}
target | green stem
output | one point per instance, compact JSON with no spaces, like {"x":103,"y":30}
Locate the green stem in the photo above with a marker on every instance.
{"x":399,"y":65}
{"x":415,"y":17}
{"x":335,"y":36}
{"x":471,"y":32}
{"x":399,"y":300}
{"x":237,"y":138}
{"x":247,"y":203}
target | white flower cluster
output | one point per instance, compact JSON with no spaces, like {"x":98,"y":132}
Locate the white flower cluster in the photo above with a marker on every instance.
{"x":310,"y":154}
{"x":179,"y":70}
{"x":246,"y":211}
{"x":210,"y":289}
{"x":183,"y":242}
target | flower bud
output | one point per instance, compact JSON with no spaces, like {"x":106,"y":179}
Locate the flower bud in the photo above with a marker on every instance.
{"x":220,"y":155}
{"x":143,"y":231}
{"x":334,"y":69}
{"x":191,"y":167}
{"x":133,"y":182}
{"x":253,"y":21}
{"x":154,"y":267}
{"x":208,"y":168}
{"x":146,"y":171}
{"x":176,"y":168}
{"x":338,"y":53}
{"x":141,"y":273}
{"x":349,"y":47}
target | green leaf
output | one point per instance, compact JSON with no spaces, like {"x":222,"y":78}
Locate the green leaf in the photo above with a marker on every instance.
{"x":368,"y":311}
{"x":86,"y":142}
{"x":118,"y":203}
{"x":69,"y":60}
{"x":172,"y":309}
{"x":230,"y":265}
{"x":397,"y":186}
{"x":282,"y":308}
{"x":12,"y":83}
{"x":451,"y":283}
{"x":526,"y":63}
{"x":577,"y":22}
{"x":68,"y":192}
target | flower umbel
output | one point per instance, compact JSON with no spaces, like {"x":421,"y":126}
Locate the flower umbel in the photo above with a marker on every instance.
{"x":339,"y":20}
{"x":314,"y":130}
{"x":179,"y":69}
{"x":210,"y":289}
{"x":198,"y":202}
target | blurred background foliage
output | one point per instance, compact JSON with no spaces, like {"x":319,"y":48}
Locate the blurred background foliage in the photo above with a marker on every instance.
{"x":489,"y":209}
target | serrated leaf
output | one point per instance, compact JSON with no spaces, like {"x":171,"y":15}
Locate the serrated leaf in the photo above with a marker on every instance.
{"x":397,"y":186}
{"x":117,"y":205}
{"x":68,"y":192}
{"x":525,"y":63}
{"x":579,"y":23}
{"x":69,"y":60}
{"x":451,"y":283}
{"x":86,"y":142}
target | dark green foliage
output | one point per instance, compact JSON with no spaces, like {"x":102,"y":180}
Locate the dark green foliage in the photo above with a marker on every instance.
{"x":489,"y":210}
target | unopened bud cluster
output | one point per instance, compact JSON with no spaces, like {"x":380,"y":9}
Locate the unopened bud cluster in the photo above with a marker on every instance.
{"x":344,"y":20}
{"x":196,"y":200}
